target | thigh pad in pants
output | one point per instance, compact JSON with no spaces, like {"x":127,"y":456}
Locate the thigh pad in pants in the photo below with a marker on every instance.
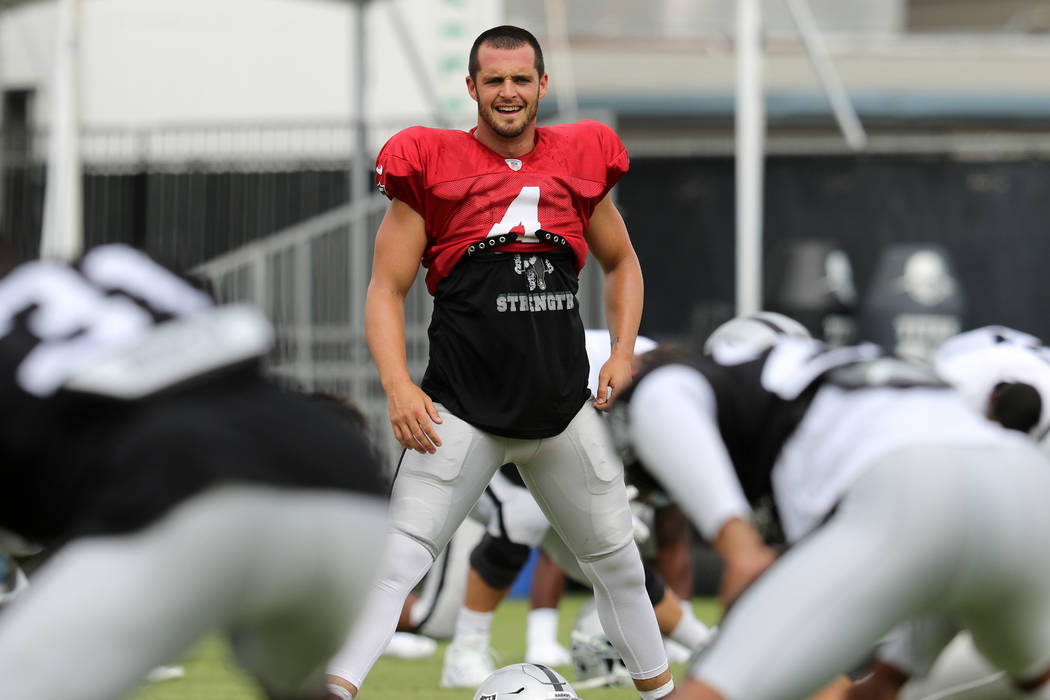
{"x":432,"y":493}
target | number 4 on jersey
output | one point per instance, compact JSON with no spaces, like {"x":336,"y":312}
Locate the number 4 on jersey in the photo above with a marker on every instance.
{"x":523,"y":212}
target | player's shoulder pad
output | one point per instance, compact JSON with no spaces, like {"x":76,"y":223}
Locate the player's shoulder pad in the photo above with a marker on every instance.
{"x":409,"y":154}
{"x":415,"y":141}
{"x":588,"y":129}
{"x":594,"y":148}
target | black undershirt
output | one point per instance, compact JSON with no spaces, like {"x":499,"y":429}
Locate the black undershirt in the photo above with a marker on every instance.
{"x":507,"y":350}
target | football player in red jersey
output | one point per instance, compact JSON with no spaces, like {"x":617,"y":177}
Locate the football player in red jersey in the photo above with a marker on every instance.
{"x":502,"y":217}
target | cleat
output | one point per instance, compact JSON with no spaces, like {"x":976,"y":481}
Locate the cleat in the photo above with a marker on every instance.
{"x":677,"y":653}
{"x":160,"y":674}
{"x":404,"y":645}
{"x":550,"y":654}
{"x":468,"y":662}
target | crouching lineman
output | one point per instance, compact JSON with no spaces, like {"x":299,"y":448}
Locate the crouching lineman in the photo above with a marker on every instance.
{"x":901,"y":502}
{"x":1004,"y":374}
{"x":141,"y":445}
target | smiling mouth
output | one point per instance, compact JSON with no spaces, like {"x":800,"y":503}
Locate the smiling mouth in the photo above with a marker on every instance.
{"x":508,"y":109}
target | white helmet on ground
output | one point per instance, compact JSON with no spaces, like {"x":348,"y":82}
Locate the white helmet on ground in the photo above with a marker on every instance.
{"x":594,"y":658}
{"x":757,"y":332}
{"x":525,"y":682}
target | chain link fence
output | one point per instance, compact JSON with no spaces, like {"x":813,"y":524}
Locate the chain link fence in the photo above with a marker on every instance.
{"x":310,"y":280}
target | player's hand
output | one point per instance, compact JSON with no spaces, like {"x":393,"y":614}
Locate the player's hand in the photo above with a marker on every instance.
{"x":744,"y":555}
{"x":412,"y":416}
{"x":641,"y":516}
{"x":837,"y":689}
{"x":741,"y":570}
{"x":613,"y":378}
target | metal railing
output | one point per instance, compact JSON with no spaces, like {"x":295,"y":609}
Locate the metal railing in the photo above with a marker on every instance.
{"x":310,"y":281}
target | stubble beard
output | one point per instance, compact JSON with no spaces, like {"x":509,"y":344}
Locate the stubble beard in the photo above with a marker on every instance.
{"x":512,"y":130}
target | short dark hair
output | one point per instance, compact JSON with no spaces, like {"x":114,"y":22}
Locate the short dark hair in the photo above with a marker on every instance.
{"x":504,"y":36}
{"x":1015,"y":405}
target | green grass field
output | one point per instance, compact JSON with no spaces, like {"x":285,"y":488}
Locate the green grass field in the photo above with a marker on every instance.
{"x":210,"y":675}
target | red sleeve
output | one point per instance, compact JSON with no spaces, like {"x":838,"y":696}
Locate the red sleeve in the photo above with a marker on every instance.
{"x":399,"y":169}
{"x":616,"y":161}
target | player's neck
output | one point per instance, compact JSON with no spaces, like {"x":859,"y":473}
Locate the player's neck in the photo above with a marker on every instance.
{"x":505,"y":147}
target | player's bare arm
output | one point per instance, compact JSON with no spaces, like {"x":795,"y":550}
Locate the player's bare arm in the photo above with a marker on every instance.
{"x":623,"y":290}
{"x":399,"y":245}
{"x":745,"y":556}
{"x":673,"y":556}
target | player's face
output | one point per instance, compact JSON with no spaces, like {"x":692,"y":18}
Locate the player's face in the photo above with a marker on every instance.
{"x":507,"y":89}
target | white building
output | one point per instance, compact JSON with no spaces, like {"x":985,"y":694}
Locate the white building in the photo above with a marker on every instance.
{"x":188,"y":66}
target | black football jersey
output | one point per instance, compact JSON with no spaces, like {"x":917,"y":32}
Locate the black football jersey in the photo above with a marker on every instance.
{"x":762,"y":397}
{"x":124,"y":390}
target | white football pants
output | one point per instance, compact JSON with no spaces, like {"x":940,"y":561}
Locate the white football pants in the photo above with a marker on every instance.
{"x":958,"y":672}
{"x":284,"y":572}
{"x":445,"y":586}
{"x":577,"y":480}
{"x":933,"y":529}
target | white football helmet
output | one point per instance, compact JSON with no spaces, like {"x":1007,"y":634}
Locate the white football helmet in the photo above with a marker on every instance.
{"x":757,"y":332}
{"x":525,"y":682}
{"x":594,"y":658}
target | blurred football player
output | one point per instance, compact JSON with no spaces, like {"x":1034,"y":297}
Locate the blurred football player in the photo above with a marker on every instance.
{"x":143,"y":448}
{"x":899,"y":499}
{"x":1004,"y":374}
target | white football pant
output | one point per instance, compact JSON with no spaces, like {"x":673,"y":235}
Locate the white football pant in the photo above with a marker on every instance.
{"x":577,"y":480}
{"x":925,"y":530}
{"x":283,"y":572}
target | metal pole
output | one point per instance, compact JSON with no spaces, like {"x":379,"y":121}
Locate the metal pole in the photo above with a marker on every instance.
{"x":63,"y":230}
{"x":302,"y":320}
{"x":829,"y":77}
{"x":750,"y":138}
{"x":360,"y":178}
{"x":564,"y":82}
{"x":416,"y":63}
{"x":3,"y":134}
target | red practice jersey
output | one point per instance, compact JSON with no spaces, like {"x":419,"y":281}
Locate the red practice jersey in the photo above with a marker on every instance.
{"x":466,"y":192}
{"x":507,"y":349}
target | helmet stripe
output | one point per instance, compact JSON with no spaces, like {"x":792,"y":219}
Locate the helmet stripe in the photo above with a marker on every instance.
{"x":775,"y":327}
{"x":555,"y":680}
